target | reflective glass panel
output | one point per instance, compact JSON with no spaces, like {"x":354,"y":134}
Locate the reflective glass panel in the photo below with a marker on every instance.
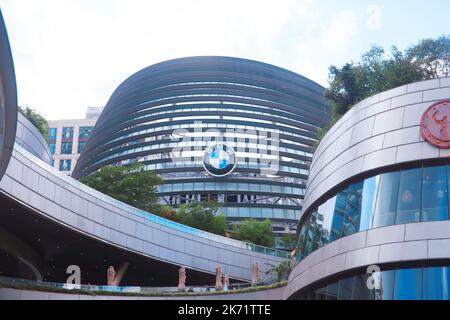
{"x":66,"y":148}
{"x":67,"y":133}
{"x":360,"y":289}
{"x":352,"y":209}
{"x":345,"y":287}
{"x":338,"y":216}
{"x":369,"y":195}
{"x":408,"y":284}
{"x":64,"y":165}
{"x":436,"y":281}
{"x":386,"y":290}
{"x":408,"y":206}
{"x":331,"y":291}
{"x":386,"y":205}
{"x":435,"y":194}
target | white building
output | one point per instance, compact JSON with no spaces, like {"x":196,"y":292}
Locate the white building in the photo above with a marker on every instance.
{"x":67,"y":138}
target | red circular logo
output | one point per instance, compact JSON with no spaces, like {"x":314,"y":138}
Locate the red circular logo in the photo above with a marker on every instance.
{"x":434,"y":126}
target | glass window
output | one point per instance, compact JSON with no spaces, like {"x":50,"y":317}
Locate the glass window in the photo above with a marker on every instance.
{"x":338,"y":216}
{"x":345,"y":287}
{"x":331,"y":291}
{"x":81,"y":146}
{"x":386,"y":205}
{"x":304,"y":237}
{"x":67,"y":133}
{"x":369,"y":195}
{"x":321,"y":294}
{"x":352,"y":209}
{"x":436,"y":283}
{"x":408,"y":284}
{"x":52,"y":134}
{"x":310,"y":234}
{"x":64,"y":165}
{"x":324,"y":219}
{"x":408,"y":207}
{"x":85,"y":132}
{"x":434,"y":200}
{"x":360,"y":289}
{"x":386,"y":290}
{"x":66,"y":148}
{"x":52,"y":147}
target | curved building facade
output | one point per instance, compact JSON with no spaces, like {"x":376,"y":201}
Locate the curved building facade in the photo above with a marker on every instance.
{"x":375,"y":222}
{"x":184,"y":117}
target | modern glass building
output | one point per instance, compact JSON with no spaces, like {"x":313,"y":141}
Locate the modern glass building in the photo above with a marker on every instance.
{"x":167,"y":115}
{"x":375,"y":222}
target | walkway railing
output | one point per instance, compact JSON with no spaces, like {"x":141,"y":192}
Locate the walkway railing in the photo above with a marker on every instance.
{"x":16,"y":282}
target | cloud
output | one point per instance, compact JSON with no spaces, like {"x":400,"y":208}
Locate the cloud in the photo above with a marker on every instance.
{"x":71,"y":54}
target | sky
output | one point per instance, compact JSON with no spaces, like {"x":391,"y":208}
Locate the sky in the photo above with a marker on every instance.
{"x":70,"y":54}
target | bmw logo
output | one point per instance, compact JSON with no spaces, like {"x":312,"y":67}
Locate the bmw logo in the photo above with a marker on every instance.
{"x":219,"y":160}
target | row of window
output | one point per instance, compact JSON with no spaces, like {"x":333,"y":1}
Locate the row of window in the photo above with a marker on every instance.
{"x":200,"y":126}
{"x":66,"y":147}
{"x":67,"y":133}
{"x":428,"y":283}
{"x":254,"y":187}
{"x":67,"y":139}
{"x":191,"y":147}
{"x":261,"y":213}
{"x":409,"y":195}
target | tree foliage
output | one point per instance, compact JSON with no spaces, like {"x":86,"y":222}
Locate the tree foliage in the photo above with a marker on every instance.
{"x":36,"y":119}
{"x":257,"y":232}
{"x":203,"y":216}
{"x":377,"y":72}
{"x":289,"y":241}
{"x":283,"y":269}
{"x":131,"y":184}
{"x":433,"y":57}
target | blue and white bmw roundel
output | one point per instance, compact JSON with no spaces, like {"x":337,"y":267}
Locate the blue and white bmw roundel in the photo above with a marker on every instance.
{"x":219,"y":160}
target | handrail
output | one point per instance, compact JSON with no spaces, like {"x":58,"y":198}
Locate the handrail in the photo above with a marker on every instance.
{"x":120,"y":289}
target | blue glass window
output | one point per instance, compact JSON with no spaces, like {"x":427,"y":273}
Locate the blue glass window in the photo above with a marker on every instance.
{"x":338,"y":216}
{"x":408,"y":284}
{"x":369,"y":195}
{"x":386,"y":289}
{"x":408,"y":207}
{"x":85,"y":132}
{"x":360,"y":289}
{"x":436,"y":283}
{"x":52,"y":147}
{"x":435,"y":194}
{"x":67,"y":133}
{"x":331,"y":291}
{"x":352,"y":209}
{"x":81,"y":146}
{"x":66,"y":148}
{"x":64,"y":165}
{"x":386,"y":205}
{"x":345,"y":288}
{"x":52,"y":134}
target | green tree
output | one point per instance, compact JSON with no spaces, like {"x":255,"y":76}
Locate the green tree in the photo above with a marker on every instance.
{"x":257,"y":232}
{"x":203,"y":216}
{"x":433,"y":56}
{"x":283,"y":269}
{"x":36,"y":119}
{"x":289,"y":241}
{"x":131,"y":184}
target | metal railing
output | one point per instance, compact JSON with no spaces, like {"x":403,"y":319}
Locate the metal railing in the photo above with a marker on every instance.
{"x":32,"y":284}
